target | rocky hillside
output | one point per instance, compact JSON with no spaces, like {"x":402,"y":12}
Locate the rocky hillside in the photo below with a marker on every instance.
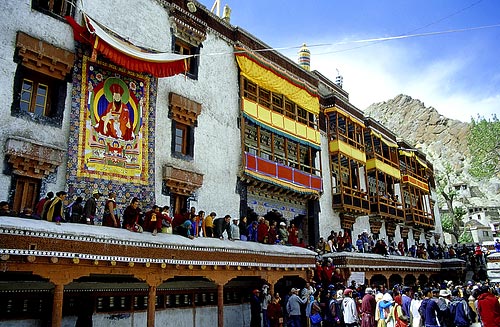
{"x":442,"y":139}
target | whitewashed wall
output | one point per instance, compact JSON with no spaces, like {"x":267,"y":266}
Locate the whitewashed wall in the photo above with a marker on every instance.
{"x":328,"y":218}
{"x":217,"y":142}
{"x":17,"y":15}
{"x":234,"y":316}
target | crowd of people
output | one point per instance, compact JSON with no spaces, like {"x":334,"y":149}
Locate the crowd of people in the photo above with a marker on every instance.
{"x":365,"y":243}
{"x":193,"y":224}
{"x":437,"y":304}
{"x":158,"y":219}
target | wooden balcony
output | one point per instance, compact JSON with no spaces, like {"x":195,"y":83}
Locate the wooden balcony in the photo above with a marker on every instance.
{"x":351,"y":201}
{"x":387,"y":208}
{"x":418,"y":217}
{"x":282,"y":173}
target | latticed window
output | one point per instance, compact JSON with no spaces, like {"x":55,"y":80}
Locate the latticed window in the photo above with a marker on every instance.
{"x":181,"y":138}
{"x":265,"y":97}
{"x":34,"y":97}
{"x":249,"y":90}
{"x":278,"y":103}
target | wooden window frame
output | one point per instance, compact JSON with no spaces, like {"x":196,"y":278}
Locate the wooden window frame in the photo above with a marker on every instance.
{"x":186,"y":139}
{"x":56,"y":8}
{"x":182,"y":145}
{"x":53,"y":103}
{"x":32,"y":104}
{"x":302,"y":115}
{"x":182,"y":47}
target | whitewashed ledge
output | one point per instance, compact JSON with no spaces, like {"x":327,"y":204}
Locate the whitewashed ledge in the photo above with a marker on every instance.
{"x":367,"y":261}
{"x":119,"y":236}
{"x":388,"y":257}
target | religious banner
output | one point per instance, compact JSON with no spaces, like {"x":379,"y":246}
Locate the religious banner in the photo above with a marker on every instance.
{"x":113,"y":133}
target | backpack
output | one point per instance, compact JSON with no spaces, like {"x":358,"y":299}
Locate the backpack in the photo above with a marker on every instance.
{"x":460,"y":317}
{"x":329,"y":316}
{"x":340,"y":311}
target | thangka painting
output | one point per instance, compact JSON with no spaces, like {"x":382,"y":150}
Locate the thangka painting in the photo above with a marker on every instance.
{"x":113,"y":137}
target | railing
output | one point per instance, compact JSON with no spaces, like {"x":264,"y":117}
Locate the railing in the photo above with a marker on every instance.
{"x":351,"y":198}
{"x":418,"y":216}
{"x":282,"y":172}
{"x":387,"y":207}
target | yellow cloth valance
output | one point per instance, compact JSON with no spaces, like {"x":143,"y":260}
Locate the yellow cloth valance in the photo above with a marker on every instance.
{"x":383,"y":139}
{"x":406,"y":153}
{"x":412,"y":154}
{"x":346,"y":114}
{"x":382,"y":166}
{"x":269,"y":80}
{"x":420,"y":161}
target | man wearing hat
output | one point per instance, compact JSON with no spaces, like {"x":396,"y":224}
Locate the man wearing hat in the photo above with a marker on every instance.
{"x":293,"y":308}
{"x":368,"y":305}
{"x":255,"y":309}
{"x":90,"y":208}
{"x":444,"y":308}
{"x":350,"y":311}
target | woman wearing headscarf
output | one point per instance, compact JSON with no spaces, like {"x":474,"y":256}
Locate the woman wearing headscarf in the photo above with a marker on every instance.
{"x":383,"y":313}
{"x":400,"y":319}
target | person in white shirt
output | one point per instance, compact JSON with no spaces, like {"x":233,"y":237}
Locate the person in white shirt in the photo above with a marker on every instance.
{"x":351,"y":317}
{"x":235,"y":229}
{"x":414,"y":306}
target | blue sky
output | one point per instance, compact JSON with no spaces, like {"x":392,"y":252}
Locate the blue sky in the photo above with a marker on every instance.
{"x":456,"y":73}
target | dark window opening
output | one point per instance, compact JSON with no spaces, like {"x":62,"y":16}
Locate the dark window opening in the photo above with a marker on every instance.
{"x":59,"y":8}
{"x":38,"y":97}
{"x":184,"y":48}
{"x":182,"y":140}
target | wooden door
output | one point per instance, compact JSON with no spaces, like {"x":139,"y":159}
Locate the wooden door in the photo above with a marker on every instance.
{"x":26,"y":192}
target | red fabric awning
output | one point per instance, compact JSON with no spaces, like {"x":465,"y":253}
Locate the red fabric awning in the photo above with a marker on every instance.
{"x":127,"y":55}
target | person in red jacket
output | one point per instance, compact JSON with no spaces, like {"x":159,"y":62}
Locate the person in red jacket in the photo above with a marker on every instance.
{"x":488,"y":308}
{"x":262,"y":230}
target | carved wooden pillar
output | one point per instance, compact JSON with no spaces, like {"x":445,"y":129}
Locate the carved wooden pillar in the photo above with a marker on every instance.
{"x":220,"y":305}
{"x":153,"y":281}
{"x":220,"y":281}
{"x":57,"y":305}
{"x":151,"y":305}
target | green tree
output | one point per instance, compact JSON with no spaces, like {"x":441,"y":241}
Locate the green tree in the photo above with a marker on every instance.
{"x":466,"y":237}
{"x":452,"y":220}
{"x":484,"y":147}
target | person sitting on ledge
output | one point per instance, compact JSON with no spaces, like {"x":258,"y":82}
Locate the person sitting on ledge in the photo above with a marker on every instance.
{"x":131,"y":216}
{"x":153,"y":220}
{"x":5,"y":209}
